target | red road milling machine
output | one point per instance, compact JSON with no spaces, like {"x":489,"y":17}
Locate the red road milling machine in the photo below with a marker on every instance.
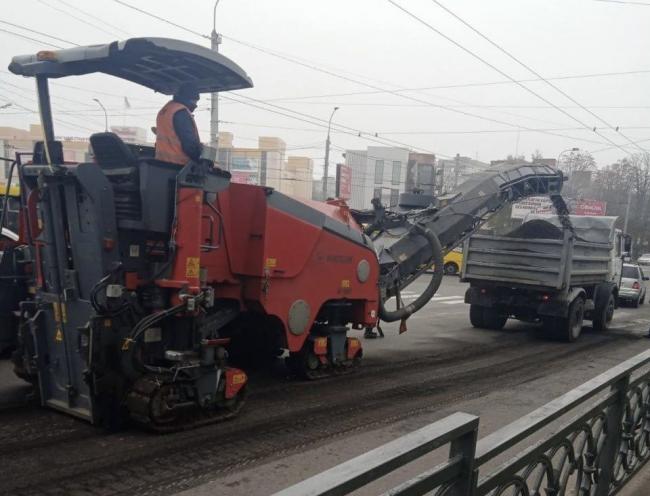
{"x":150,"y":279}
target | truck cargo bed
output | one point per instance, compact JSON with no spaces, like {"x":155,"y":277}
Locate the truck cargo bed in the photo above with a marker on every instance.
{"x":535,"y":262}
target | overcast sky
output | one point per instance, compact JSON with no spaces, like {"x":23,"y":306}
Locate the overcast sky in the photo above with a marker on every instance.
{"x":376,"y":50}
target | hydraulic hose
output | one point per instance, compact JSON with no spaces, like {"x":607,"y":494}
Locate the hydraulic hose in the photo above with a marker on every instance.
{"x":131,"y":365}
{"x":438,"y":271}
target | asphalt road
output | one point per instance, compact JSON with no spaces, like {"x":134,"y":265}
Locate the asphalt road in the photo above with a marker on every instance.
{"x":291,"y":429}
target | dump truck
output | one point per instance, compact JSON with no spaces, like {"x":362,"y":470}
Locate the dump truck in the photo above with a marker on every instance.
{"x":559,"y":271}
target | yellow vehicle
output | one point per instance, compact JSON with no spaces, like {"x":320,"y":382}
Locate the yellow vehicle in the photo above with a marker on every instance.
{"x":11,"y":222}
{"x":14,"y":189}
{"x":453,"y":261}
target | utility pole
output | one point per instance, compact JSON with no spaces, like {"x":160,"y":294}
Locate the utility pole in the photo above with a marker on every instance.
{"x":215,"y":41}
{"x":327,"y":155}
{"x":627,"y":209}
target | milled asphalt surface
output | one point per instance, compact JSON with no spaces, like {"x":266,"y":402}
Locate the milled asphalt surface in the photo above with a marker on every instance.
{"x":445,"y":323}
{"x":290,"y":430}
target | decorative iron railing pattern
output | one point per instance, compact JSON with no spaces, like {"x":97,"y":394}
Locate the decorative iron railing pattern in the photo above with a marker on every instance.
{"x":588,"y":442}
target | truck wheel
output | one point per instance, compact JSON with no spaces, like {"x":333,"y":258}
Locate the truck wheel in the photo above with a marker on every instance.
{"x":476,"y":316}
{"x":604,"y":314}
{"x":493,"y":319}
{"x":568,"y":329}
{"x":451,"y":269}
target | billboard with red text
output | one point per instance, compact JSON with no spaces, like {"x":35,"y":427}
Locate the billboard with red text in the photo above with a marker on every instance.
{"x":343,"y":181}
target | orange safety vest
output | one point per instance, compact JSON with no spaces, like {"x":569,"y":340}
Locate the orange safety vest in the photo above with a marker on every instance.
{"x":168,"y":146}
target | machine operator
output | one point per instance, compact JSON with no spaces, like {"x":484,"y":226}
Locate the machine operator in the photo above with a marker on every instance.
{"x":177,"y":137}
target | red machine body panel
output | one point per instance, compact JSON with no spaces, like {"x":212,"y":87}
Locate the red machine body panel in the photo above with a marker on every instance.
{"x":277,"y":250}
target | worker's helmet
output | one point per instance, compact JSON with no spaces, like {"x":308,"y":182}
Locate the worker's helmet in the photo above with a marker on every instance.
{"x":187,"y":92}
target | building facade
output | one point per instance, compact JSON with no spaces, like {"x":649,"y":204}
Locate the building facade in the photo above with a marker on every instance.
{"x":298,"y":179}
{"x":267,"y":165}
{"x":131,"y":134}
{"x":377,"y":172}
{"x":423,"y":175}
{"x":317,"y":189}
{"x":15,"y":140}
{"x":457,"y":170}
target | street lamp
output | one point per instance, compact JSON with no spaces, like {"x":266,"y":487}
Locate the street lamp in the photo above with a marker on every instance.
{"x":215,"y":41}
{"x":564,"y":151}
{"x":327,"y":154}
{"x":105,"y":113}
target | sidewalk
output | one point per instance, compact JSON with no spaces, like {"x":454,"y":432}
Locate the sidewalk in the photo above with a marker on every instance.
{"x":639,"y":485}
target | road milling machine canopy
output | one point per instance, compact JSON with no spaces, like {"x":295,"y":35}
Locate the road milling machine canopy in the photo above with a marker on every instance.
{"x":151,"y":280}
{"x":160,"y":64}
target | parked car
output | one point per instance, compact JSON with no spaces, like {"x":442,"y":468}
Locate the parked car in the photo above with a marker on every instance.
{"x":453,"y":261}
{"x":644,"y":260}
{"x":633,"y":288}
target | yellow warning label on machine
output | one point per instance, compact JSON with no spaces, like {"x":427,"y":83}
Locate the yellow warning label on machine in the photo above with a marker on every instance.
{"x":57,"y":312}
{"x":345,"y":283}
{"x":64,"y":313}
{"x":59,"y":335}
{"x":192,"y":267}
{"x":271,"y":263}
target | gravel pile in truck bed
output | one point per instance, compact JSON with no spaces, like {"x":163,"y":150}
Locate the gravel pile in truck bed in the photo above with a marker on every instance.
{"x":536,"y":229}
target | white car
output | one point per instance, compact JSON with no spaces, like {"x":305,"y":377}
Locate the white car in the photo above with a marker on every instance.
{"x":633,"y":288}
{"x":644,"y":260}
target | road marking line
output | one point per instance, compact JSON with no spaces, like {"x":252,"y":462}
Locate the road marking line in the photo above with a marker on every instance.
{"x":441,"y":298}
{"x":452,"y":302}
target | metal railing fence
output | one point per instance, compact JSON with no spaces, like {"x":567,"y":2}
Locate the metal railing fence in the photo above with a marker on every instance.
{"x":588,"y":442}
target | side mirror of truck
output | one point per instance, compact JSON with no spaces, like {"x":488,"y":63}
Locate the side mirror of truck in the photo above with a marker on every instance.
{"x":646,"y":278}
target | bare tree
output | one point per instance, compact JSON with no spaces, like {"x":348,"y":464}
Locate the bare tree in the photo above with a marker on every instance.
{"x":536,"y":155}
{"x":629,"y":178}
{"x":512,"y":159}
{"x":577,"y":161}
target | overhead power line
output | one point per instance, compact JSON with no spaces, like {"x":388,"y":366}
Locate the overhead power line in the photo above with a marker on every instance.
{"x":74,"y":16}
{"x":21,"y":94}
{"x":533,"y":71}
{"x":362,"y":83}
{"x":40,"y":42}
{"x":625,"y":2}
{"x":378,"y":135}
{"x":313,"y":67}
{"x":361,"y":134}
{"x":150,"y":14}
{"x":467,"y":105}
{"x":495,"y":68}
{"x":93,"y":16}
{"x":322,"y":123}
{"x":462,"y":85}
{"x":40,"y":33}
